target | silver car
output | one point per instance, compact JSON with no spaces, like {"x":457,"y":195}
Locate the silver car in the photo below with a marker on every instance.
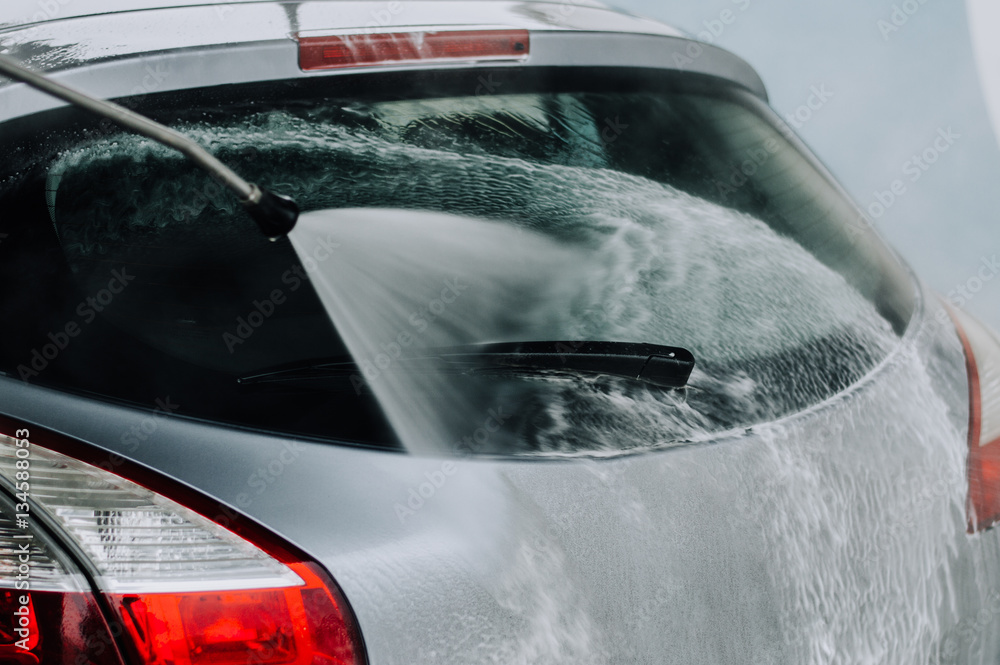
{"x":576,"y":355}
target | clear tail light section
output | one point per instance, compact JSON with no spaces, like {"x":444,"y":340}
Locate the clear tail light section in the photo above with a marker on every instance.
{"x":179,"y":588}
{"x":982,"y":355}
{"x":342,"y":50}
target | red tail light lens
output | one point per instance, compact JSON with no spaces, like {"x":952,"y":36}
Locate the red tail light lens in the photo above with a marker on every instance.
{"x":58,"y":628}
{"x":179,"y":588}
{"x":982,"y":356}
{"x":292,"y":626}
{"x":338,"y":51}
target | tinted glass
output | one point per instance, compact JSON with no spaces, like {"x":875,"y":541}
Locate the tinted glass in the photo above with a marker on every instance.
{"x":134,"y":277}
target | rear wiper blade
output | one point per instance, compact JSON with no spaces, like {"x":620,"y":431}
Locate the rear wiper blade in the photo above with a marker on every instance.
{"x":664,"y":366}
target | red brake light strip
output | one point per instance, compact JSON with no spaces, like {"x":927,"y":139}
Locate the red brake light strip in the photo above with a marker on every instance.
{"x":360,"y":50}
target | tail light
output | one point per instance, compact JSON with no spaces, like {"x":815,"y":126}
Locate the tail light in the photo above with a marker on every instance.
{"x":338,"y":51}
{"x":176,"y":587}
{"x":41,"y":587}
{"x":982,"y":357}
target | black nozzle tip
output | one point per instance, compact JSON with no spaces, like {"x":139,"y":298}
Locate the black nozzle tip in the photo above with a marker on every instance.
{"x":276,"y":215}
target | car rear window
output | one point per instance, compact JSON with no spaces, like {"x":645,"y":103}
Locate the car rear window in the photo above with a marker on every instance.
{"x":134,"y":277}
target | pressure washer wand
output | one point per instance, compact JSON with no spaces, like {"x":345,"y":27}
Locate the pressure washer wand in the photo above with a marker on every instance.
{"x":276,"y":215}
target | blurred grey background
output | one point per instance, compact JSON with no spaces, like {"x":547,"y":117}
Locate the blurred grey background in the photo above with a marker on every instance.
{"x":900,"y":73}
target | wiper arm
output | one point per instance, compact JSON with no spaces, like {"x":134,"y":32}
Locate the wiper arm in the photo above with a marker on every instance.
{"x":663,"y":366}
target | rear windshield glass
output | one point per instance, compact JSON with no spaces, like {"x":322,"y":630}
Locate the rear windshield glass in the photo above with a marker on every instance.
{"x":692,"y":218}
